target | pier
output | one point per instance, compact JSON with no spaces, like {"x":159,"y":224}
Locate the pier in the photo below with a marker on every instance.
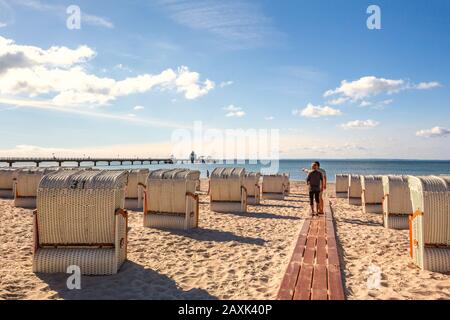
{"x":10,"y":161}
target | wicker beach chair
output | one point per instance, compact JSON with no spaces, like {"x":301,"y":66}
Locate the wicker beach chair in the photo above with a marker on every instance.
{"x":196,"y":176}
{"x":251,"y":184}
{"x":227,"y":190}
{"x":80,"y":221}
{"x":342,"y":186}
{"x":7,"y":177}
{"x":396,"y":202}
{"x":26,"y":184}
{"x":274,"y":187}
{"x":354,"y":190}
{"x":287,"y":184}
{"x":137,"y":180}
{"x":170,"y":199}
{"x":372,"y":194}
{"x":430,"y":223}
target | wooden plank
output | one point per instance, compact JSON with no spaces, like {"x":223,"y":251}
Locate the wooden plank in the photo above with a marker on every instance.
{"x":335,"y":287}
{"x":321,"y":252}
{"x":303,"y":286}
{"x":319,"y":295}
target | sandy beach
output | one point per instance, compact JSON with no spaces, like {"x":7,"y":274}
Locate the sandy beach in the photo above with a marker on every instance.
{"x":231,"y":256}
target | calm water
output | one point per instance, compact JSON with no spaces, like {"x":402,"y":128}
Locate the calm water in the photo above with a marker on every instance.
{"x":293,"y":167}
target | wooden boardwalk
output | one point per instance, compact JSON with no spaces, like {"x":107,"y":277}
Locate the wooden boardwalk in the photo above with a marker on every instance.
{"x":314,"y":271}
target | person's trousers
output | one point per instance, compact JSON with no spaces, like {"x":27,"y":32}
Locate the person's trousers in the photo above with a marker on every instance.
{"x":314,"y":195}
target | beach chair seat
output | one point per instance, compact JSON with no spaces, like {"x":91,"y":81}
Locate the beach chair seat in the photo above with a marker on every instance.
{"x":274,"y":187}
{"x":7,"y":177}
{"x":137,"y":179}
{"x":251,"y":184}
{"x":430,"y":223}
{"x":26,"y":185}
{"x":342,"y":185}
{"x":354,"y":190}
{"x":227,"y":190}
{"x":396,"y":202}
{"x":171,"y":201}
{"x":372,"y":194}
{"x":80,"y":221}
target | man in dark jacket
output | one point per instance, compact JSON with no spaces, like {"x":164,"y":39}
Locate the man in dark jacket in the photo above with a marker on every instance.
{"x":315,"y":183}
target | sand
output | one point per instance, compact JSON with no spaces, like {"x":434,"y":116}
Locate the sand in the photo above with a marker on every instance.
{"x":231,"y":256}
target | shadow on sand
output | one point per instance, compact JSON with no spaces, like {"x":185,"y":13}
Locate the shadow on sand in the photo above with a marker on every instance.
{"x":264,"y":215}
{"x":132,"y":282}
{"x":201,"y":234}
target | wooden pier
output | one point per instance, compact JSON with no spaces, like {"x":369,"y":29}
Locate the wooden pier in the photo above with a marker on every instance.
{"x":10,"y":161}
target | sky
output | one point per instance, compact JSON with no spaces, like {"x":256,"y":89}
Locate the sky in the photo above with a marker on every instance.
{"x":138,"y":75}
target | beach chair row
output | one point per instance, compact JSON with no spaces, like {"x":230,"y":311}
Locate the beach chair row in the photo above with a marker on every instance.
{"x":419,"y":204}
{"x":81,"y":216}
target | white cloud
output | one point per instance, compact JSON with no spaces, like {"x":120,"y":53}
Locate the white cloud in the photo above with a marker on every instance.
{"x":338,"y":101}
{"x":365,"y":103}
{"x":312,"y":111}
{"x":3,"y":24}
{"x":137,"y":108}
{"x":433,"y":132}
{"x":59,"y":73}
{"x":427,"y":85}
{"x":233,"y":111}
{"x":360,"y":124}
{"x":131,"y":115}
{"x":226,"y":84}
{"x":120,"y":66}
{"x":239,"y":23}
{"x":370,"y":86}
{"x":269,"y":118}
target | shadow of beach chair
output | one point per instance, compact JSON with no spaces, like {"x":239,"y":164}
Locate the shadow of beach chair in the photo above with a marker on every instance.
{"x":372,"y":194}
{"x":170,"y":199}
{"x":251,"y":184}
{"x":227,"y":190}
{"x":396,"y":202}
{"x":137,"y":179}
{"x":430,"y":223}
{"x":80,"y":221}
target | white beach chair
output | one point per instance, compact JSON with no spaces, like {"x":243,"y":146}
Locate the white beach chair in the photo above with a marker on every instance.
{"x":227,"y":190}
{"x":430,"y":223}
{"x":137,"y":180}
{"x":7,"y":177}
{"x":251,"y":184}
{"x":196,"y":176}
{"x":372,"y":194}
{"x":80,"y":221}
{"x":396,"y":202}
{"x":342,"y":185}
{"x":274,"y":186}
{"x":26,"y":184}
{"x":354,"y":190}
{"x":287,"y":184}
{"x":170,"y":199}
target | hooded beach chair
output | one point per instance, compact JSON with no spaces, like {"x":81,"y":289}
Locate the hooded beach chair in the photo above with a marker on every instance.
{"x":80,"y":221}
{"x":196,"y":176}
{"x":354,"y":190}
{"x":287,"y":184}
{"x":372,"y":194}
{"x":7,"y":177}
{"x":274,"y":186}
{"x":170,"y":199}
{"x":430,"y":223}
{"x":137,"y":180}
{"x":396,"y":202}
{"x":26,"y":184}
{"x":251,"y":184}
{"x":227,"y":190}
{"x":342,"y":185}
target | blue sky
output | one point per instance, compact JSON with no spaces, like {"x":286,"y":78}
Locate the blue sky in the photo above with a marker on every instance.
{"x":238,"y":64}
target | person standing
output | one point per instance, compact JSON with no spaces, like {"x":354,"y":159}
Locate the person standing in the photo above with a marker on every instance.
{"x":324,"y":186}
{"x":315,"y":182}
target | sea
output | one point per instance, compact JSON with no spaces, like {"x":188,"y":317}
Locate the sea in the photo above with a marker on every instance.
{"x":332,"y":167}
